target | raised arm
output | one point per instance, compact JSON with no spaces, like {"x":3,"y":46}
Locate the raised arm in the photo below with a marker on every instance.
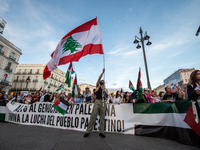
{"x":98,"y":81}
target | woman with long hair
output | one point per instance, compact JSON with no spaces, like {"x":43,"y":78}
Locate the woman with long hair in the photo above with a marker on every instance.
{"x":193,"y":89}
{"x":118,"y":98}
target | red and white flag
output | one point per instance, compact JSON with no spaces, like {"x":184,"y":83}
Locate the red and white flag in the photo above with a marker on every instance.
{"x":83,"y":40}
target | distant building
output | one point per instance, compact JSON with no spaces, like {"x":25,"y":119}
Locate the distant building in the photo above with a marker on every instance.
{"x":181,"y":76}
{"x":160,"y":88}
{"x":34,"y":74}
{"x":9,"y":58}
{"x":83,"y":86}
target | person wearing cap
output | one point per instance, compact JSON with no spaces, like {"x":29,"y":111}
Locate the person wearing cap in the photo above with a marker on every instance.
{"x":87,"y":96}
{"x":99,"y":106}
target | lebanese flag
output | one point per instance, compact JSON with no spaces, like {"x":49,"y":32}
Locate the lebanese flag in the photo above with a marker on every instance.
{"x":61,"y":105}
{"x":74,"y":89}
{"x":81,"y":41}
{"x":131,"y":87}
{"x":70,"y":71}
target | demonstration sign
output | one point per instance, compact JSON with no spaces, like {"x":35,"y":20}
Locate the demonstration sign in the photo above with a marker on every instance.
{"x":76,"y":118}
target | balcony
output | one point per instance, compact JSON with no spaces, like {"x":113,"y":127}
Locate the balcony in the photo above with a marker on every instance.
{"x":8,"y":69}
{"x":50,"y":84}
{"x":36,"y":80}
{"x":45,"y":82}
{"x":12,"y":58}
{"x":18,"y":73}
{"x":22,"y":80}
{"x":4,"y":82}
{"x":29,"y":72}
{"x":52,"y":77}
{"x":55,"y":85}
{"x":16,"y":80}
{"x":23,"y":72}
{"x":32,"y":89}
{"x":37,"y":72}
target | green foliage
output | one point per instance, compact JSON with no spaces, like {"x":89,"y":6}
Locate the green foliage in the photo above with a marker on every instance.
{"x":71,"y":45}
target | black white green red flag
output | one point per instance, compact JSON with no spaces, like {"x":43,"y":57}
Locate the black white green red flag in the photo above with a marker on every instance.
{"x":81,"y":41}
{"x":131,"y":87}
{"x":75,"y":88}
{"x":139,"y":85}
{"x":69,"y":72}
{"x":60,"y":87}
{"x":61,"y":105}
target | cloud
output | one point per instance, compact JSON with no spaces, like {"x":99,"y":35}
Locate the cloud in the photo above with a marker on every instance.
{"x":4,"y":7}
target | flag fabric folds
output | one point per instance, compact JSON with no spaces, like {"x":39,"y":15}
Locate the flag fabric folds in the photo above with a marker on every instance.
{"x":131,"y":87}
{"x":81,"y":41}
{"x":70,"y":71}
{"x":61,"y":105}
{"x":60,"y":87}
{"x":75,"y":88}
{"x":139,"y":86}
{"x":40,"y":89}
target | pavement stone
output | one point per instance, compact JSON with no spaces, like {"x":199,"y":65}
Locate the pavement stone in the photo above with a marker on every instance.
{"x":28,"y":137}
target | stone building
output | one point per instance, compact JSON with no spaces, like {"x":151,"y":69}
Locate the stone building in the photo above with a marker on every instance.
{"x":9,"y":58}
{"x":83,"y":86}
{"x":29,"y":77}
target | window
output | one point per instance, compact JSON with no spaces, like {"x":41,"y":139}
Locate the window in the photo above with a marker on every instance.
{"x":185,"y":80}
{"x":36,"y":77}
{"x":38,"y":70}
{"x":19,"y":70}
{"x":12,"y":55}
{"x":8,"y":65}
{"x":30,"y":70}
{"x":23,"y":77}
{"x":25,"y":70}
{"x":17,"y":78}
{"x":1,"y":48}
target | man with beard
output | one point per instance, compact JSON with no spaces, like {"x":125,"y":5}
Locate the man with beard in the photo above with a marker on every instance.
{"x":99,"y":106}
{"x":87,"y":96}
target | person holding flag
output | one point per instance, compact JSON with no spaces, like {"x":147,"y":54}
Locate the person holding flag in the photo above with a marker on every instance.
{"x":99,"y":106}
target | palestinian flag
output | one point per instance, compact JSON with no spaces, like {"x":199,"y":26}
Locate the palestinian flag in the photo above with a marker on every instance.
{"x":74,"y":89}
{"x":139,"y":86}
{"x":122,"y":92}
{"x":59,"y":88}
{"x":131,"y":87}
{"x":61,"y":105}
{"x":40,"y":89}
{"x":167,"y":120}
{"x":70,"y":71}
{"x":81,"y":41}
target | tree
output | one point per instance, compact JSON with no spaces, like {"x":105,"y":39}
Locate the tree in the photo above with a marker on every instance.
{"x":71,"y":45}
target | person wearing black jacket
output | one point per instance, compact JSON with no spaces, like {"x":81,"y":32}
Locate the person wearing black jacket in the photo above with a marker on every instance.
{"x":45,"y":97}
{"x":2,"y":100}
{"x":193,"y":89}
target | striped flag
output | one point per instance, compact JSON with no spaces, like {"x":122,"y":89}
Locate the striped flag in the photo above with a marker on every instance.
{"x":40,"y":89}
{"x":74,"y":89}
{"x":61,"y":105}
{"x":139,"y":86}
{"x":59,"y":88}
{"x":83,"y":40}
{"x":131,"y":87}
{"x":70,"y":71}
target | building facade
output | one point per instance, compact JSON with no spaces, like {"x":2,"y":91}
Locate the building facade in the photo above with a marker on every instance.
{"x":181,"y":76}
{"x":9,"y":58}
{"x":160,"y":88}
{"x":29,"y":77}
{"x":83,"y":86}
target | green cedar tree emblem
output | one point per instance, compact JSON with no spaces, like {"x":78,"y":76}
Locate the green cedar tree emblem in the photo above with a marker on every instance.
{"x":71,"y":45}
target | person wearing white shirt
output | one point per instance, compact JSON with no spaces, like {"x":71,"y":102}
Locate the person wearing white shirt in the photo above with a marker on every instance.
{"x":118,"y":99}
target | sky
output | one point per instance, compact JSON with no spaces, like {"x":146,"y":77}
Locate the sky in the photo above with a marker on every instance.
{"x":37,"y":26}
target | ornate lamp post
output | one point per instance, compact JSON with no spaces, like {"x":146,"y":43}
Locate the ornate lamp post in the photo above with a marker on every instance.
{"x":27,"y":81}
{"x":142,"y":39}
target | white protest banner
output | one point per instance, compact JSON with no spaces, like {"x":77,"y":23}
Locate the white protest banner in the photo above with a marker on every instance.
{"x":117,"y":119}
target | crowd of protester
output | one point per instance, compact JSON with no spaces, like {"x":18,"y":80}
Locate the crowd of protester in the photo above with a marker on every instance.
{"x":148,"y":96}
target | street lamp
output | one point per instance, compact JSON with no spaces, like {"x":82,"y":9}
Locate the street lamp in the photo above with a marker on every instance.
{"x":27,"y":81}
{"x":142,"y":39}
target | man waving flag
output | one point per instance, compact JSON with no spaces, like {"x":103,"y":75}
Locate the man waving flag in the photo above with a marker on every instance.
{"x":81,"y":41}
